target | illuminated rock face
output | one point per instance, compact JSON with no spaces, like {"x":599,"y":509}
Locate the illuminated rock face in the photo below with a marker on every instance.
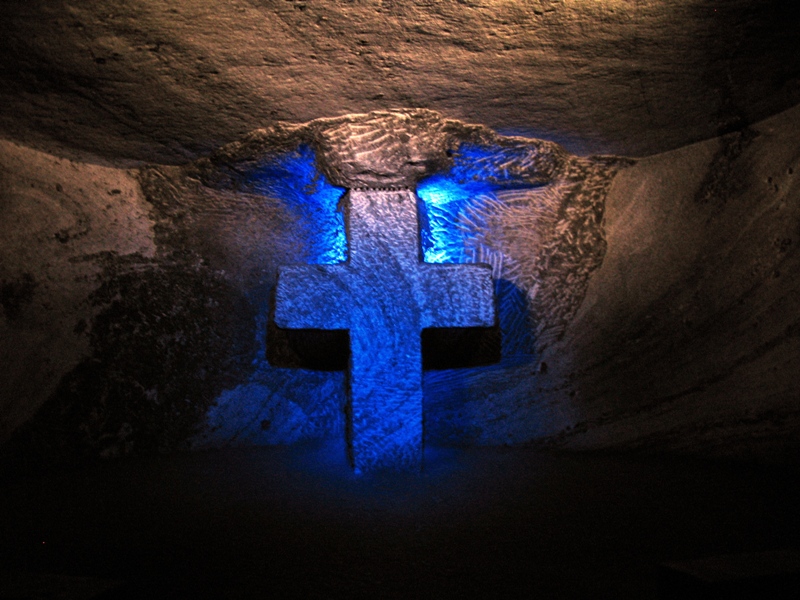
{"x":658,"y":311}
{"x":199,"y":307}
{"x":384,"y":296}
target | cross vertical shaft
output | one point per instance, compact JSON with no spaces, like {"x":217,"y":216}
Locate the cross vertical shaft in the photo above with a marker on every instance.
{"x":385,"y":345}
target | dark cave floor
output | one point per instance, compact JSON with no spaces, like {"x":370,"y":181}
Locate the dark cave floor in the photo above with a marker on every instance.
{"x":477,"y":523}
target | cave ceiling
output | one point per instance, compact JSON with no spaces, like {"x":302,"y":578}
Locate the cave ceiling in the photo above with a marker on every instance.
{"x":155,"y":81}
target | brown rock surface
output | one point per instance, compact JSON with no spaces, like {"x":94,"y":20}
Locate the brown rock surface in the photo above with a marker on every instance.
{"x":158,"y":81}
{"x":693,"y":321}
{"x":59,"y":221}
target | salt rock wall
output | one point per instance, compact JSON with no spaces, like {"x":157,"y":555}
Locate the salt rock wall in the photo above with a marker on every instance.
{"x":689,"y":336}
{"x":642,"y":305}
{"x":63,"y":226}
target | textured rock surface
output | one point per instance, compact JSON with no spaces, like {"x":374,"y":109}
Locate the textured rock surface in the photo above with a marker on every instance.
{"x":161,"y":81}
{"x":688,"y":336}
{"x":390,"y":149}
{"x":62,"y":225}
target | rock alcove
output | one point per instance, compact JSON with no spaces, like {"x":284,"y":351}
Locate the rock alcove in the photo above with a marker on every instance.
{"x":627,"y":168}
{"x":164,"y":292}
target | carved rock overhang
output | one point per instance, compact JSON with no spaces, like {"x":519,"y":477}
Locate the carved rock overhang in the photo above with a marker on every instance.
{"x":396,"y":149}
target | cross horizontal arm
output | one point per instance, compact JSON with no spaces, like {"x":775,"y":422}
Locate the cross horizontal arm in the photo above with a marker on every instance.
{"x":313,"y":297}
{"x":458,"y":296}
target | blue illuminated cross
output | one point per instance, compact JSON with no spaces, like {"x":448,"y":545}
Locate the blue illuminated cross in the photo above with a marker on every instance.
{"x":385,"y":296}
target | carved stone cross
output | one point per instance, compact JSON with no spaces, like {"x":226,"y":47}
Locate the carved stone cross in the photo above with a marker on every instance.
{"x":384,"y":295}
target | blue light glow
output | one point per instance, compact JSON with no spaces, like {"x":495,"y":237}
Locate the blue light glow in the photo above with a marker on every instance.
{"x":294,"y":179}
{"x":499,"y":166}
{"x":306,"y":403}
{"x":444,"y":202}
{"x":447,"y":198}
{"x":450,"y":207}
